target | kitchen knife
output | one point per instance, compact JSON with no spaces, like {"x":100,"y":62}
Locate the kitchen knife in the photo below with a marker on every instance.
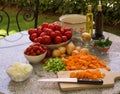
{"x":73,"y":80}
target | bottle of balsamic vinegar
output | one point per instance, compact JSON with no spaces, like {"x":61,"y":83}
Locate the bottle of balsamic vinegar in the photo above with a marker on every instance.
{"x":89,"y":20}
{"x":99,"y":24}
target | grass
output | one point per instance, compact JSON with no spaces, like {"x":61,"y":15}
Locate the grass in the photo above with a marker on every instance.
{"x":42,"y":18}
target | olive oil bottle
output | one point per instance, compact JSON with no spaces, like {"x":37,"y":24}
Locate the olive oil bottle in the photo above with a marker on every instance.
{"x":99,"y":23}
{"x":89,"y":20}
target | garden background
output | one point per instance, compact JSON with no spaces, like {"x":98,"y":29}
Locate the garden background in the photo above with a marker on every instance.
{"x":51,"y":10}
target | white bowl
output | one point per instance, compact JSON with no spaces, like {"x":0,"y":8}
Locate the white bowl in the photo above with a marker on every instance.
{"x":35,"y":59}
{"x":19,"y":71}
{"x":54,"y":46}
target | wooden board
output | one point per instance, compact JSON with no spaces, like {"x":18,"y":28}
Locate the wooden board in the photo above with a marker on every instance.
{"x":108,"y":81}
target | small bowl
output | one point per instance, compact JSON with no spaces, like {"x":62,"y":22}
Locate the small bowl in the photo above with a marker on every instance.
{"x":54,"y":46}
{"x":35,"y":59}
{"x":19,"y":71}
{"x":104,"y":49}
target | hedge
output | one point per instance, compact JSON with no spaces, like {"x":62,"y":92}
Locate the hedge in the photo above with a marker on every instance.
{"x":111,"y":8}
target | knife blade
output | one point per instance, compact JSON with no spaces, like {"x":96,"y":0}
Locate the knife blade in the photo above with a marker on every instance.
{"x":73,"y":80}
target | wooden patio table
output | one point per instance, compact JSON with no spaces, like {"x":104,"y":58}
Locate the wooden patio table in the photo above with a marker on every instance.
{"x":11,"y":51}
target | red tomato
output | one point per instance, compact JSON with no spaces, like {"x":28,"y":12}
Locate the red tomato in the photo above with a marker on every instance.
{"x":53,"y":34}
{"x":38,"y":52}
{"x":58,"y":33}
{"x":31,"y":31}
{"x":46,"y":39}
{"x":35,"y":49}
{"x":68,"y":34}
{"x":44,"y":60}
{"x":33,"y":36}
{"x":42,"y":34}
{"x":62,"y":31}
{"x":57,"y":26}
{"x":35,"y":40}
{"x":51,"y":26}
{"x":64,"y":38}
{"x":67,"y":29}
{"x":44,"y":25}
{"x":49,"y":53}
{"x":48,"y":31}
{"x":39,"y":30}
{"x":57,"y":40}
{"x":40,"y":39}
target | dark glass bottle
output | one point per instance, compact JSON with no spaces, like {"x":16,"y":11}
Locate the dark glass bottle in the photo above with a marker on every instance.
{"x":99,"y":24}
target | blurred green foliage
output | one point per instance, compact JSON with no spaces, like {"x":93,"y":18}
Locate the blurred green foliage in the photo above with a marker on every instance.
{"x":111,"y":8}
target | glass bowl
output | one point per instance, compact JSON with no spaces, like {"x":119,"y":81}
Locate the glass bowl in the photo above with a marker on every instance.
{"x":19,"y":71}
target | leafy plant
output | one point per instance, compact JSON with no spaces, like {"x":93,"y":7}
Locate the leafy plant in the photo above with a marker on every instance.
{"x":103,"y":42}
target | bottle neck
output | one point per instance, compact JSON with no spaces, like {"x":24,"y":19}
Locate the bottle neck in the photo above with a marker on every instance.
{"x":89,"y":8}
{"x":100,"y":8}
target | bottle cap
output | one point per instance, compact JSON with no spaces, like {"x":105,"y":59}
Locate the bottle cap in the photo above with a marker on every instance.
{"x":90,"y":7}
{"x":99,"y":6}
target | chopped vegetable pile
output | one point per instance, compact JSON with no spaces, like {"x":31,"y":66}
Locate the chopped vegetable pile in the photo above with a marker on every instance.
{"x":83,"y":62}
{"x":19,"y":71}
{"x":88,"y":74}
{"x":54,"y":64}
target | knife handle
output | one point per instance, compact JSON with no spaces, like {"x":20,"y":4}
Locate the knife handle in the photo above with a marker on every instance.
{"x":89,"y":81}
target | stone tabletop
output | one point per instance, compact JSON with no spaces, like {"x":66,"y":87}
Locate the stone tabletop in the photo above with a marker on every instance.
{"x":11,"y":51}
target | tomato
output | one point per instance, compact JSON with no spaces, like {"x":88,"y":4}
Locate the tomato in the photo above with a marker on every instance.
{"x":68,"y":34}
{"x":35,"y":49}
{"x":53,"y":34}
{"x":44,"y":25}
{"x":49,"y":53}
{"x":64,"y":38}
{"x":38,"y":52}
{"x":35,"y":40}
{"x":58,"y":33}
{"x":39,"y":30}
{"x":67,"y":29}
{"x":57,"y":40}
{"x":62,"y":31}
{"x":31,"y":31}
{"x":40,"y":39}
{"x":42,"y":34}
{"x":44,"y":60}
{"x":46,"y":39}
{"x":51,"y":26}
{"x":48,"y":31}
{"x":33,"y":36}
{"x":57,"y":26}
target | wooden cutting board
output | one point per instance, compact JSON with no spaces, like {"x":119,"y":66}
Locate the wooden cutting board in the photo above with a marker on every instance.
{"x":108,"y":81}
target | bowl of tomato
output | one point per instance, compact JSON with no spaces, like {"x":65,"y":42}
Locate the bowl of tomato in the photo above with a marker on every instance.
{"x":35,"y":53}
{"x":50,"y":34}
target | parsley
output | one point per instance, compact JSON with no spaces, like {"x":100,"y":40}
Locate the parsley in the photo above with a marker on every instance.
{"x":103,"y":42}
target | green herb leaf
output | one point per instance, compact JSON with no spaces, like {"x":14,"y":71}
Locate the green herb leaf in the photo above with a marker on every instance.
{"x":103,"y":42}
